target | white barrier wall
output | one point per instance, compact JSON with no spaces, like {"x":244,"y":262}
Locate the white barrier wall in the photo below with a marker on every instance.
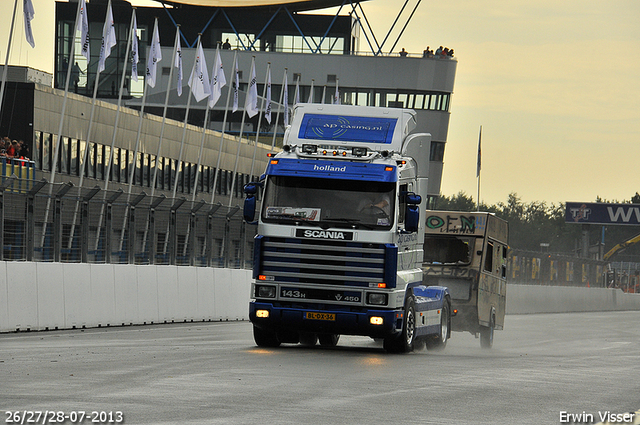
{"x":523,"y":299}
{"x":40,"y":296}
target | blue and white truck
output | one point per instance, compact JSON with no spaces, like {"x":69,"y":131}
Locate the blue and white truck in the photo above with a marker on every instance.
{"x":339,"y":245}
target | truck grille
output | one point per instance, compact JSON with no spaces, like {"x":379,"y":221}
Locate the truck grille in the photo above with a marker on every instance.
{"x":322,"y":261}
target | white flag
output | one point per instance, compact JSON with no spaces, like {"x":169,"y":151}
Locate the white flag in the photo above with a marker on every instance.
{"x":29,"y":13}
{"x":235,"y":87}
{"x":285,"y":96}
{"x":267,"y":113}
{"x":251,"y":101}
{"x":296,"y":95}
{"x":218,"y":81}
{"x":336,"y":96}
{"x":108,"y":38}
{"x":135,"y":57}
{"x":199,"y":79}
{"x":178,"y":64}
{"x":155,"y":56}
{"x":310,"y":100}
{"x":83,"y":27}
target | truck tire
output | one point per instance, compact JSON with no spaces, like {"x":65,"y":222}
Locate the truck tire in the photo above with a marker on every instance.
{"x":486,"y":334}
{"x":439,"y":342}
{"x":328,"y":340}
{"x":404,"y":343}
{"x":308,"y":339}
{"x":265,"y":337}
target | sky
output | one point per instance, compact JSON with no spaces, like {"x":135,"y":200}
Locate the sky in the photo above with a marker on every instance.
{"x":555,"y":86}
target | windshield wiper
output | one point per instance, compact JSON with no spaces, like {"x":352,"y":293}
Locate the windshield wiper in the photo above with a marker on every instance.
{"x":352,"y":221}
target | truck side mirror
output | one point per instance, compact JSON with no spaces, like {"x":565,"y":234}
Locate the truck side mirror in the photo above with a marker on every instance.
{"x":249,"y":210}
{"x":412,"y":213}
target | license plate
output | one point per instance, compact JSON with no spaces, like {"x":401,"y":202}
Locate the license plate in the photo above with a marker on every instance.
{"x":320,"y":316}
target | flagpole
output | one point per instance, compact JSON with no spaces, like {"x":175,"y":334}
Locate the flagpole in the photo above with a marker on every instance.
{"x":296,"y":94}
{"x":235,"y":167}
{"x":479,"y":165}
{"x":285,"y":101}
{"x":137,"y":146}
{"x":264,"y":92}
{"x":198,"y":74}
{"x":57,"y":141}
{"x":107,"y":174}
{"x":310,"y":100}
{"x":164,"y":120}
{"x":184,"y":124}
{"x":275,"y":126}
{"x":164,"y":111}
{"x":224,"y":123}
{"x":6,"y":62}
{"x":204,"y":131}
{"x":83,"y":161}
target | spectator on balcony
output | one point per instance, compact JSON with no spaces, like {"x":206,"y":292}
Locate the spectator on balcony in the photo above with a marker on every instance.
{"x":11,"y":150}
{"x":75,"y":76}
{"x":403,"y":53}
{"x":24,"y":150}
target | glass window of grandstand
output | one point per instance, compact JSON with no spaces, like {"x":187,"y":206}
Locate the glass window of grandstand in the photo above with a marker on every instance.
{"x":75,"y":155}
{"x":63,"y":160}
{"x":437,"y":151}
{"x":299,"y":44}
{"x":241,"y":42}
{"x":115,"y":165}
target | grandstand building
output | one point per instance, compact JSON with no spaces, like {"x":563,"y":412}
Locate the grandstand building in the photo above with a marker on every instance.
{"x":321,"y":54}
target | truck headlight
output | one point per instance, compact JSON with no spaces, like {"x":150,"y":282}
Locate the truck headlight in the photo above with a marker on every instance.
{"x":265,"y":291}
{"x":376,"y":298}
{"x":375,"y":320}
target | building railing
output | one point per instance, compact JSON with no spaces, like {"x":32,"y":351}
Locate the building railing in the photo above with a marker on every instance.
{"x":59,"y":222}
{"x":24,"y":171}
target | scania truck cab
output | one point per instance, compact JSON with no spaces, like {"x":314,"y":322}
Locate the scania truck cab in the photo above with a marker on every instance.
{"x":339,"y":244}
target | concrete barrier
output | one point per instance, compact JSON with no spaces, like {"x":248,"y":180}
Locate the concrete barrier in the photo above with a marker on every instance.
{"x":41,"y":296}
{"x":524,"y":299}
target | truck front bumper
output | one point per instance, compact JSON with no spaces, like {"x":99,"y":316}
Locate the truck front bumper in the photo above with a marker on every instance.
{"x":335,"y":321}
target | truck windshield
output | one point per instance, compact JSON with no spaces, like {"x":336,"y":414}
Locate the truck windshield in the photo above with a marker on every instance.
{"x":448,"y":249}
{"x":329,"y":202}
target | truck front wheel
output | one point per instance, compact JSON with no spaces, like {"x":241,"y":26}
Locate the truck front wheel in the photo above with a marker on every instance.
{"x":308,"y":339}
{"x":438,"y":342}
{"x":328,"y":340}
{"x":406,"y":341}
{"x":265,"y":337}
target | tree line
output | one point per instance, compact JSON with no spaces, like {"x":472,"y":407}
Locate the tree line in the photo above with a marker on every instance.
{"x":534,"y":225}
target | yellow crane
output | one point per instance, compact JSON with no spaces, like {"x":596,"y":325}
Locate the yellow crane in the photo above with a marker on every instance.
{"x":621,"y":247}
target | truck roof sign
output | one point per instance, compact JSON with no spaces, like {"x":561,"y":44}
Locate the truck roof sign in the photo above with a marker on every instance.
{"x":332,"y":169}
{"x":343,"y":128}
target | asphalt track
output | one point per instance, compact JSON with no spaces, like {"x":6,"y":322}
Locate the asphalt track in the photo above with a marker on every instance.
{"x":543,"y":368}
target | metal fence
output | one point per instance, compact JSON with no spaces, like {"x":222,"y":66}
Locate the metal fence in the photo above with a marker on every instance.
{"x":59,"y":222}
